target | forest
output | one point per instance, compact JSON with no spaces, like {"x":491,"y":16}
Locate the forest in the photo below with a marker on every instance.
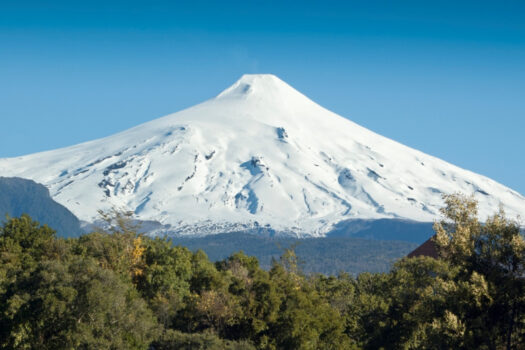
{"x":117,"y":289}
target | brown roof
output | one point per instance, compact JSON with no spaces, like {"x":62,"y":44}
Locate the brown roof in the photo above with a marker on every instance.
{"x":426,"y":249}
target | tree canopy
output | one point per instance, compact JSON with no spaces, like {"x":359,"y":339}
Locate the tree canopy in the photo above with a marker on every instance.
{"x":118,"y":289}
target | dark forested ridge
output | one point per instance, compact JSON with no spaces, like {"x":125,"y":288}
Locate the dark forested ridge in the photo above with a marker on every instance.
{"x":328,"y":255}
{"x":384,"y":229}
{"x":352,"y":246}
{"x":117,"y":289}
{"x":21,"y":196}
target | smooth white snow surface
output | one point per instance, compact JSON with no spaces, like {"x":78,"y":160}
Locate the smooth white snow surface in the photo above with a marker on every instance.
{"x":259,"y":154}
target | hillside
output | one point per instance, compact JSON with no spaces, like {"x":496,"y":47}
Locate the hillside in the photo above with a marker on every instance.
{"x":20,"y":196}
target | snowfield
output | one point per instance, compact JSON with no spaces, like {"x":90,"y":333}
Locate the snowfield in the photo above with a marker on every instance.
{"x":260,"y":154}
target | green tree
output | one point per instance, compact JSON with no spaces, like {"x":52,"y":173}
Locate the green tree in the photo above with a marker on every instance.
{"x":164,"y":278}
{"x":175,"y":340}
{"x":74,"y":304}
{"x":423,"y":297}
{"x":366,"y":311}
{"x":492,"y":257}
{"x":305,"y":320}
{"x":23,"y":242}
{"x":257,"y":298}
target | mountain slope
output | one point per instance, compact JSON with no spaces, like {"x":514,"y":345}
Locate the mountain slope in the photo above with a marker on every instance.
{"x":20,"y":196}
{"x":260,"y":154}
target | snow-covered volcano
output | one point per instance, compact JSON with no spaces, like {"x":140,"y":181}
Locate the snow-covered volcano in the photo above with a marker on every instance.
{"x":259,"y":154}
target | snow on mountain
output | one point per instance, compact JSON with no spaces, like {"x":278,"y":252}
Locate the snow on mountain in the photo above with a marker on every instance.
{"x":259,"y":154}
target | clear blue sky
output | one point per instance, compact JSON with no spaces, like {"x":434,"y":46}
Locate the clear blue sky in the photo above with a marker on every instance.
{"x":447,"y":78}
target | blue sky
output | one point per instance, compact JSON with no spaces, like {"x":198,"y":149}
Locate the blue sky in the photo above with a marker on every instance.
{"x":447,"y":78}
